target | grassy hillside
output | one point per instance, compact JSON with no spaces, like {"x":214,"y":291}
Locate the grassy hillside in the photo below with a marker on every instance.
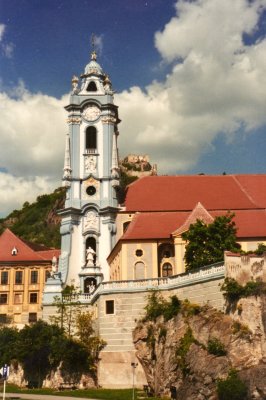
{"x":38,"y":222}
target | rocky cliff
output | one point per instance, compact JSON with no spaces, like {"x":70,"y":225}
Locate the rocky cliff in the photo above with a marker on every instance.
{"x":200,"y":345}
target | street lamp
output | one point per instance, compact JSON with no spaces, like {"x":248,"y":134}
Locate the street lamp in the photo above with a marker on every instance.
{"x":134,"y":366}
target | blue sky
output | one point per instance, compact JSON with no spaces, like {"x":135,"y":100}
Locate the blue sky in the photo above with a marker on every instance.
{"x":189,"y":77}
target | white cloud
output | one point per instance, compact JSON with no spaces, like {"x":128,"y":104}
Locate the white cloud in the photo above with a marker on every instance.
{"x":217,"y":84}
{"x":2,"y":30}
{"x":32,"y":131}
{"x":32,"y":137}
{"x":14,"y":191}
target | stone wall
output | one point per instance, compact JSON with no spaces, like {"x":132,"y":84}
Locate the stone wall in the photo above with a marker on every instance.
{"x":245,"y":268}
{"x":116,"y":329}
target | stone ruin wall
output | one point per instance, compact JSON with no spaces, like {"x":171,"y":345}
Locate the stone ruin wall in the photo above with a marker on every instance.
{"x":245,"y":268}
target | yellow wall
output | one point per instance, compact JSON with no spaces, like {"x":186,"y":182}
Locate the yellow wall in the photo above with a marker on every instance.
{"x":18,"y":305}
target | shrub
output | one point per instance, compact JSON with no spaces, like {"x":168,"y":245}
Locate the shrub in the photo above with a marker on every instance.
{"x":172,"y":308}
{"x":216,"y":347}
{"x":182,"y":350}
{"x":243,"y":330}
{"x":232,"y":388}
{"x":233,"y":291}
{"x":190,"y":309}
{"x":157,"y":306}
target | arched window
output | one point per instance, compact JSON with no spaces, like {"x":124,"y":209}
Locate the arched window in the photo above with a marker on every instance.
{"x":92,"y":87}
{"x":139,"y":270}
{"x":91,"y":139}
{"x":166,"y":253}
{"x":167,"y":270}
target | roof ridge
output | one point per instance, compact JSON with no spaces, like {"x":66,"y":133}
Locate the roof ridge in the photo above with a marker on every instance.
{"x":244,"y":190}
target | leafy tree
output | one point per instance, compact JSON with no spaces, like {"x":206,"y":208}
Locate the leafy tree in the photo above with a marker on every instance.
{"x":68,"y":309}
{"x":86,"y":335}
{"x":8,"y":339}
{"x":206,"y":243}
{"x":72,"y":356}
{"x":34,"y":346}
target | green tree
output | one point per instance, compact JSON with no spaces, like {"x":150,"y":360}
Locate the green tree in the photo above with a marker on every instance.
{"x":34,"y":346}
{"x":8,"y":339}
{"x":206,"y":243}
{"x":68,"y":309}
{"x":86,"y":334}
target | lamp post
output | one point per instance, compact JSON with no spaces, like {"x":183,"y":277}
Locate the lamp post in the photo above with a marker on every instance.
{"x":134,"y":366}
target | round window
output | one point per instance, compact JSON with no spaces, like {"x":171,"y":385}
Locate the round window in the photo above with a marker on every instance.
{"x":91,"y":190}
{"x":139,"y":253}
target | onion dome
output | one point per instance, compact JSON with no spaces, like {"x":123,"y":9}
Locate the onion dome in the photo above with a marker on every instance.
{"x":93,"y":67}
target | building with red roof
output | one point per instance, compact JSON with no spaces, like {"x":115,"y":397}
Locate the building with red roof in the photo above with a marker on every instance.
{"x":158,"y":209}
{"x":24,"y":269}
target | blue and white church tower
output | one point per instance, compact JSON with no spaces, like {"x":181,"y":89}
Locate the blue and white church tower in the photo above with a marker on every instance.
{"x":91,"y":178}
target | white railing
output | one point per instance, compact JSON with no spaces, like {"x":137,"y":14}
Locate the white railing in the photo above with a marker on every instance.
{"x":213,"y":271}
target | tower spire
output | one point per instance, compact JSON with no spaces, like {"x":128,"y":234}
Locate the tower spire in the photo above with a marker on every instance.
{"x":93,"y":51}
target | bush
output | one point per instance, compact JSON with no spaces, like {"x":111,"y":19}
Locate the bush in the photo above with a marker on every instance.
{"x":190,"y":309}
{"x":232,"y":388}
{"x":216,"y":347}
{"x":233,"y":291}
{"x":157,"y":306}
{"x":182,"y":350}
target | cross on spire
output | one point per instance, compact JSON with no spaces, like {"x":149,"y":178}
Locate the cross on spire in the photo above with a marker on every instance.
{"x":93,"y":53}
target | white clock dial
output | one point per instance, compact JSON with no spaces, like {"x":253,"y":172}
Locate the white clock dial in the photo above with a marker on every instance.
{"x":91,"y":113}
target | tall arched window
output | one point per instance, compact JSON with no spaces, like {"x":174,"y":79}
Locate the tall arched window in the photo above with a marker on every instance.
{"x":92,"y":87}
{"x":91,"y":139}
{"x":139,"y":270}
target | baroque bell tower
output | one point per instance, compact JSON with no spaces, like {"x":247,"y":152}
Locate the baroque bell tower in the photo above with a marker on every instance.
{"x":91,"y":178}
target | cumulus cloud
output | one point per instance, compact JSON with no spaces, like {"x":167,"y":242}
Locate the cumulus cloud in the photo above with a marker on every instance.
{"x":32,"y":135}
{"x":14,"y":191}
{"x":217,"y":84}
{"x":32,"y":130}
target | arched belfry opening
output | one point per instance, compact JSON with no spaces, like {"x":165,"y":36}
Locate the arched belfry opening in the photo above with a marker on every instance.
{"x":91,"y":139}
{"x":92,"y":87}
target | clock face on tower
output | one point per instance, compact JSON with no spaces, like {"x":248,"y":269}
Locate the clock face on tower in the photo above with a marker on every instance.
{"x":91,"y":113}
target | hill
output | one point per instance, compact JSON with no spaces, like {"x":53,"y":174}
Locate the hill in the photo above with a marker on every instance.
{"x":38,"y":222}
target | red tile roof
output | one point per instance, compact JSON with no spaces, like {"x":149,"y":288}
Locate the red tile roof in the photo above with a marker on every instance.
{"x":157,"y":225}
{"x":161,"y":225}
{"x":181,"y":193}
{"x":9,"y":241}
{"x":255,"y":187}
